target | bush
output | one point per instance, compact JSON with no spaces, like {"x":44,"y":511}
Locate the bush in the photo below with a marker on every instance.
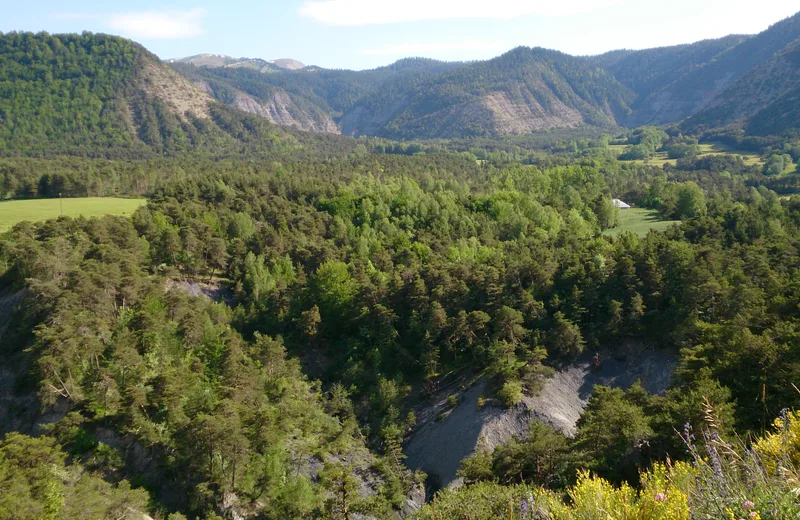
{"x":511,"y":393}
{"x":635,"y":152}
{"x":682,"y":150}
{"x":722,"y":480}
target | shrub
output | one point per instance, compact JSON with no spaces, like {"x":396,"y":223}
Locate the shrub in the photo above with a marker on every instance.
{"x":722,"y":481}
{"x":511,"y":393}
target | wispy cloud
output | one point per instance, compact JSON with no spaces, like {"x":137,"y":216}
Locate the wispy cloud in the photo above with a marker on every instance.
{"x":148,"y":25}
{"x":432,"y":48}
{"x":371,"y":12}
{"x":159,"y":24}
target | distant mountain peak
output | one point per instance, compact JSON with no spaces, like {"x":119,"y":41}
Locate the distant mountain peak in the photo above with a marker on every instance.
{"x":288,"y":63}
{"x":221,"y":60}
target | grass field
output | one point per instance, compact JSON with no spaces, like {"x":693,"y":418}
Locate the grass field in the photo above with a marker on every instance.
{"x":14,"y":211}
{"x":660,"y":159}
{"x":639,"y":221}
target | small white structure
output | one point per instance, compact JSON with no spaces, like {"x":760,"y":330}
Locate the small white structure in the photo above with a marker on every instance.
{"x":619,"y":204}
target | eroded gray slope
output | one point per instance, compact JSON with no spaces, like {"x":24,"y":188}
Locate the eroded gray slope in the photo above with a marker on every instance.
{"x":443,"y":438}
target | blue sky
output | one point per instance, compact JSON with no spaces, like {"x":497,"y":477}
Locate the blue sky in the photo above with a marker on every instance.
{"x":360,"y":34}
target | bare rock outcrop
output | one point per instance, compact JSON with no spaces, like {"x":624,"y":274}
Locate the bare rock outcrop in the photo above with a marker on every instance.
{"x":512,"y":118}
{"x":281,"y":110}
{"x":446,"y":435}
{"x":180,"y":94}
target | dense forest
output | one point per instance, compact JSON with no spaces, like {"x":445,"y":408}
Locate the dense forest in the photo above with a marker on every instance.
{"x":264,"y":338}
{"x":382,"y":274}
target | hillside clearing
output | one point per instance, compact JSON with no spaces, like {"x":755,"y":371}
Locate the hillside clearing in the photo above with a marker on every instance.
{"x":35,"y":210}
{"x":639,"y":221}
{"x":707,"y":149}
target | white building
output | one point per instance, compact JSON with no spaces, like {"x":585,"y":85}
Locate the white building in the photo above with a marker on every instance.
{"x":619,"y":204}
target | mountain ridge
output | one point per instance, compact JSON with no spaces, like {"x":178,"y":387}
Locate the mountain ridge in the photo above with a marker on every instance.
{"x":123,"y":97}
{"x":222,"y":60}
{"x":102,"y":95}
{"x":525,"y":90}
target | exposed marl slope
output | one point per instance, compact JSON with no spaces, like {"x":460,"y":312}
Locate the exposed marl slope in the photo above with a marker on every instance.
{"x":281,"y":109}
{"x":446,"y":436}
{"x":288,"y":63}
{"x":220,"y":60}
{"x":180,"y":95}
{"x":518,"y":92}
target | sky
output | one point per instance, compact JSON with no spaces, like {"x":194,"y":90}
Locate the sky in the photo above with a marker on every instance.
{"x":362,"y":34}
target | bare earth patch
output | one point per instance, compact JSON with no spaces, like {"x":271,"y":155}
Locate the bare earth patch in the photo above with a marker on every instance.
{"x":445,"y":436}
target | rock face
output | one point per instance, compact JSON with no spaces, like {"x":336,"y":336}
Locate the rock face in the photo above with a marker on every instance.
{"x":282,"y":110}
{"x":512,"y":118}
{"x":177,"y":92}
{"x":446,"y":436}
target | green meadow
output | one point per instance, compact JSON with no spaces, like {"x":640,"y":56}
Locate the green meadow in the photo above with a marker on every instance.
{"x":14,"y":211}
{"x":660,"y":158}
{"x":639,"y":221}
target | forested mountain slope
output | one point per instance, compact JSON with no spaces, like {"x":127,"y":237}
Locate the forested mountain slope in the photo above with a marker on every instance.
{"x":698,"y":87}
{"x":312,"y":98}
{"x":765,"y":99}
{"x":650,"y":70}
{"x":522,"y":91}
{"x":94,"y":94}
{"x":519,"y":92}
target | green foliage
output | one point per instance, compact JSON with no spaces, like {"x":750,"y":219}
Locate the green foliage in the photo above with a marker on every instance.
{"x":104,"y":96}
{"x":682,"y":150}
{"x":648,"y":137}
{"x":610,"y":433}
{"x":636,"y":152}
{"x":510,"y":393}
{"x":168,"y":370}
{"x":565,"y":337}
{"x":778,"y":164}
{"x":541,"y":456}
{"x":724,"y":480}
{"x":37,"y":483}
{"x":691,"y":201}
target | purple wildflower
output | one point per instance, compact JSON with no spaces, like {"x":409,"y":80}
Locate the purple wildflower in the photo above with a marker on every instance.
{"x":748,"y":504}
{"x":661,"y":497}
